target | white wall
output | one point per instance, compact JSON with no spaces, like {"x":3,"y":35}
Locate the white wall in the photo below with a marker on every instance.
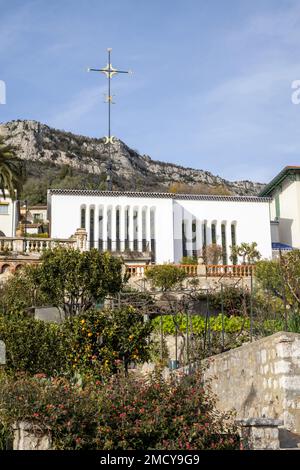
{"x":8,"y":221}
{"x":65,"y":217}
{"x":289,"y":221}
{"x":252,"y":221}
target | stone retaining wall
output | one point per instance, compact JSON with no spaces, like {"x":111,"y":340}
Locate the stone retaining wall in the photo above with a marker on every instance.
{"x":260,"y":379}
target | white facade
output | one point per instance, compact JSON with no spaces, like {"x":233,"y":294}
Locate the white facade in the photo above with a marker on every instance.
{"x":284,"y":190}
{"x":8,"y":217}
{"x":167,"y":224}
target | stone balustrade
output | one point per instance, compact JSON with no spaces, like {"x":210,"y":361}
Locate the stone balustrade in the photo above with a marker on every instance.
{"x":32,"y":245}
{"x":230,"y":270}
{"x":193,"y":270}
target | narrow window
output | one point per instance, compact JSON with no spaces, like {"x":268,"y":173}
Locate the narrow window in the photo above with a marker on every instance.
{"x":118,"y":244}
{"x":233,"y":242}
{"x":92,"y":228}
{"x":213,"y":234}
{"x":184,"y":248}
{"x":224,"y":252}
{"x":82,"y":217}
{"x":100,"y":234}
{"x":204,"y":235}
{"x":152,"y":229}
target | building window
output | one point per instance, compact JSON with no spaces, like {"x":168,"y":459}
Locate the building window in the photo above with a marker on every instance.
{"x":213,"y":234}
{"x":233,"y":242}
{"x":135,"y":230}
{"x":224,"y":252}
{"x":37,"y":218}
{"x":82,"y":217}
{"x":3,"y":209}
{"x":204,"y":235}
{"x":152,"y":234}
{"x":92,"y":228}
{"x":118,"y":221}
{"x":184,"y":248}
{"x":127,"y":228}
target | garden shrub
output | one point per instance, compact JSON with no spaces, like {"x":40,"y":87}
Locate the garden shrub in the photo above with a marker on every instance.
{"x":33,"y":345}
{"x":165,"y":276}
{"x":197,"y":324}
{"x":124,"y":413}
{"x":67,"y":410}
{"x":98,"y":339}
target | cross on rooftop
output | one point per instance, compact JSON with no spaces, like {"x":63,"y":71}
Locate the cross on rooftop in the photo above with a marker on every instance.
{"x":109,"y":71}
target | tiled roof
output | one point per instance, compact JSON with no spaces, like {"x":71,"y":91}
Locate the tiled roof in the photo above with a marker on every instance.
{"x":156,"y":195}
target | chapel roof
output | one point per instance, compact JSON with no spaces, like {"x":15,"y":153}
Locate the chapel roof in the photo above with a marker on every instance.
{"x":155,"y":195}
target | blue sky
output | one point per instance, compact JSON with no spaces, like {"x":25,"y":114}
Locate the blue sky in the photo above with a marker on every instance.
{"x":211,"y":87}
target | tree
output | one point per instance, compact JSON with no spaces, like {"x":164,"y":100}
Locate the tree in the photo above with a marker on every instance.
{"x":166,"y":276}
{"x":99,"y":340}
{"x":75,"y":281}
{"x":212,"y":254}
{"x":282,"y":278}
{"x":20,"y":292}
{"x":11,"y":170}
{"x":248,"y":251}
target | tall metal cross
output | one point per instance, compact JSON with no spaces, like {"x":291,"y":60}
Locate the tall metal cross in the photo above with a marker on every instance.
{"x":109,"y":71}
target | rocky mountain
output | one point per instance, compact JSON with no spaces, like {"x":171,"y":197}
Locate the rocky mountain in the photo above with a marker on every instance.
{"x":62,"y":159}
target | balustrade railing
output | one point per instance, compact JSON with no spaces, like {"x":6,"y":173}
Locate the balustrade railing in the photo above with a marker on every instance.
{"x":192,"y":270}
{"x":32,"y":245}
{"x":230,"y":270}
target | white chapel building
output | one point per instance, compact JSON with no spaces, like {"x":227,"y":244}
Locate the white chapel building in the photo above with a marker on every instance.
{"x":169,"y":225}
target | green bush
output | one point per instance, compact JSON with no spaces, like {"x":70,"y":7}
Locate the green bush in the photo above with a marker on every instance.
{"x":197,"y":324}
{"x":188,"y":260}
{"x":166,"y":276}
{"x":98,"y":340}
{"x":33,"y":345}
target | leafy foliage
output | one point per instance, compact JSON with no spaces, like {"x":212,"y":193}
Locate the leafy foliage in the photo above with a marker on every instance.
{"x":11,"y":170}
{"x":197,"y":324}
{"x":166,"y":276}
{"x":236,"y":301}
{"x":20,"y":292}
{"x":248,"y":252}
{"x":98,"y":340}
{"x":124,"y":413}
{"x":212,"y":254}
{"x":75,"y":281}
{"x":188,"y":260}
{"x":32,"y":345}
{"x":282,"y":278}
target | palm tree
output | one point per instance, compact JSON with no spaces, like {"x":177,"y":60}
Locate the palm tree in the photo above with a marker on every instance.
{"x":11,"y":170}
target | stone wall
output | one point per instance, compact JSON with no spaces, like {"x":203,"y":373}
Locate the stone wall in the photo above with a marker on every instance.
{"x":260,"y":379}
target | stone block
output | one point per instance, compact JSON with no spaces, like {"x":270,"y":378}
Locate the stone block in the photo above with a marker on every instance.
{"x":30,"y":437}
{"x":2,"y":353}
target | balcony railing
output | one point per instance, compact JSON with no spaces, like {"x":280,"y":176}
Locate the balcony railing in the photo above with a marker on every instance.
{"x":230,"y":270}
{"x":193,"y":270}
{"x":32,"y":245}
